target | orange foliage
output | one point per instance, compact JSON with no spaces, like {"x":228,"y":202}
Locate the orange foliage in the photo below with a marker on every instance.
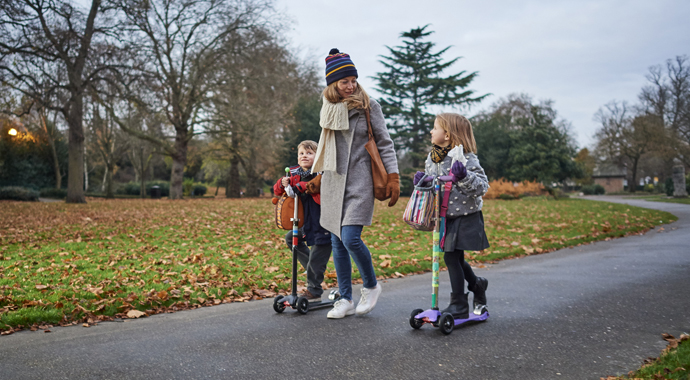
{"x":515,"y":189}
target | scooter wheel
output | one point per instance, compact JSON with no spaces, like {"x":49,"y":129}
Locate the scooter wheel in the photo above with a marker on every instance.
{"x":414,"y":322}
{"x":446,"y":323}
{"x":278,"y":305}
{"x":302,"y":305}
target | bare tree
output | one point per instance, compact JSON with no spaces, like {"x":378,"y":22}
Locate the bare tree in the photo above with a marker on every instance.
{"x":251,"y":108}
{"x":46,"y":122}
{"x":179,"y":46}
{"x":625,"y":136}
{"x":141,"y":152}
{"x":668,"y":97}
{"x":107,"y":141}
{"x":39,"y":38}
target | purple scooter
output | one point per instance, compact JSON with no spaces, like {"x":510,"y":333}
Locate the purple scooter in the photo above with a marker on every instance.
{"x":444,"y":321}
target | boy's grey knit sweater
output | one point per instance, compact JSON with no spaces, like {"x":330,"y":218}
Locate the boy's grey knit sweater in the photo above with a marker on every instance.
{"x":466,"y":195}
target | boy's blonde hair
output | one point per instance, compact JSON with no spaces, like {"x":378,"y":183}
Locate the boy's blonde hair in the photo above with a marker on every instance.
{"x":459,"y":129}
{"x":308,"y":144}
{"x":359,"y":99}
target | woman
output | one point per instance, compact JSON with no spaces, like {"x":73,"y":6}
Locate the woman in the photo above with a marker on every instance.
{"x":347,"y":190}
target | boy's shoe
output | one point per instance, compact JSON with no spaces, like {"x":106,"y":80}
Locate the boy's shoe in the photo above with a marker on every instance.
{"x":310,"y":297}
{"x":341,"y":309}
{"x":368,"y":300}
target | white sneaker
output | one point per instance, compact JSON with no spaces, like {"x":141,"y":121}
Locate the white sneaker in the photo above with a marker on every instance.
{"x":368,"y":300}
{"x":341,"y":309}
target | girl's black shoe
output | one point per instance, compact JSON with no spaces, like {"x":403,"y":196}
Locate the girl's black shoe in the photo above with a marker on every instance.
{"x":459,"y":306}
{"x":479,"y":291}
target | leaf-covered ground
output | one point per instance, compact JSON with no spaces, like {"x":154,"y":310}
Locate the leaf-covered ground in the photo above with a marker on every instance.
{"x":66,"y":264}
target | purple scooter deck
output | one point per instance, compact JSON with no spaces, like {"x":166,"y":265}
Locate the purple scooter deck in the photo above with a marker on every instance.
{"x":432,"y":315}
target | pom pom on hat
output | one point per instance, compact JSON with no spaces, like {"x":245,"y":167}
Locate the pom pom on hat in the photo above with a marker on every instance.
{"x":339,"y":66}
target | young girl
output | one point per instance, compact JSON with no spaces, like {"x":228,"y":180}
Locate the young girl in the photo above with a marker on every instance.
{"x":464,"y":219}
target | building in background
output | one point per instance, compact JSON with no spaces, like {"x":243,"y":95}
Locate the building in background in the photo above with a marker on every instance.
{"x":611,"y":176}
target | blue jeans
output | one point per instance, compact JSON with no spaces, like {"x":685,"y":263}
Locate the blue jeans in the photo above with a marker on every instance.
{"x":351,"y":245}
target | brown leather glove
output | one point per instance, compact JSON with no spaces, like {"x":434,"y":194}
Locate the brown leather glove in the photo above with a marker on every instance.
{"x":393,"y":188}
{"x":314,"y":186}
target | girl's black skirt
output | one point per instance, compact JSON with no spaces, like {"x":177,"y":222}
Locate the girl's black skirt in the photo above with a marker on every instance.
{"x":466,"y":233}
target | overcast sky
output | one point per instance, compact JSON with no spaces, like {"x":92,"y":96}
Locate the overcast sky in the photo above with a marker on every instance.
{"x":581,"y":54}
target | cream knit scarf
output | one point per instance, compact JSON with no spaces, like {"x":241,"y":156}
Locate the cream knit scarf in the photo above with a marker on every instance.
{"x":333,"y":118}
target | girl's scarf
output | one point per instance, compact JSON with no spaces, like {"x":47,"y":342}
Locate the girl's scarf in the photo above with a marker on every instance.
{"x":333,"y":118}
{"x":438,"y":153}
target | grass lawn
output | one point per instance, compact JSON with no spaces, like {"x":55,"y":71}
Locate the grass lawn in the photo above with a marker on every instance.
{"x":664,"y":198}
{"x":674,"y":362}
{"x":65,"y":264}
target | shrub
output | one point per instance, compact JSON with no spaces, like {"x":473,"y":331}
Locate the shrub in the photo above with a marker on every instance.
{"x":17,"y":193}
{"x":506,"y":197}
{"x":660,"y":187}
{"x":669,"y":186}
{"x":649,"y":188}
{"x":593,"y":190}
{"x":163,"y":185}
{"x":199,"y":190}
{"x":132,"y":188}
{"x":187,"y":186}
{"x":516,"y":190}
{"x":557,"y":193}
{"x":54,"y":193}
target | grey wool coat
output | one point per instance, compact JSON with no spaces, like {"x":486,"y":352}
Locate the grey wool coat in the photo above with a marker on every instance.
{"x":466,"y":194}
{"x":347,"y":194}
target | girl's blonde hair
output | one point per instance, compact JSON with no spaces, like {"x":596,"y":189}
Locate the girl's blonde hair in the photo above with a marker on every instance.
{"x":359,"y":99}
{"x":459,"y":129}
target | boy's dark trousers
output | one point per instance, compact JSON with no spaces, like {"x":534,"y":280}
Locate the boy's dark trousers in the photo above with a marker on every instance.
{"x":315,"y":261}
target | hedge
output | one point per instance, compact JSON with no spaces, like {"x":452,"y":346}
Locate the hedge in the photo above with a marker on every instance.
{"x":18,"y":193}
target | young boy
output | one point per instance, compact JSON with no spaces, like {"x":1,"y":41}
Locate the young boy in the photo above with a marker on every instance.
{"x":312,"y":233}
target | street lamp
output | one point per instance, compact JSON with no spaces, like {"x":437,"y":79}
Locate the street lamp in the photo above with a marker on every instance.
{"x":12,"y":132}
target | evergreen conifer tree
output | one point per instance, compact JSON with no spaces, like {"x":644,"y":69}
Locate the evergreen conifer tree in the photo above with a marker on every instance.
{"x":413,"y":82}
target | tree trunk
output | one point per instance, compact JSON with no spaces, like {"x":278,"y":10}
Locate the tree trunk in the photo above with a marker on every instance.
{"x":633,"y":188}
{"x":53,"y":151}
{"x":142,"y":186}
{"x":56,"y":166}
{"x":233,"y":188}
{"x":179,"y":160}
{"x":253,"y":179}
{"x":86,"y":172}
{"x":105,"y":179}
{"x":75,"y":177}
{"x":109,"y":181}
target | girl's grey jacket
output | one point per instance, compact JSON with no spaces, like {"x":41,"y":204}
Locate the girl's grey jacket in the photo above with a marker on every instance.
{"x":466,"y":194}
{"x":347,"y":195}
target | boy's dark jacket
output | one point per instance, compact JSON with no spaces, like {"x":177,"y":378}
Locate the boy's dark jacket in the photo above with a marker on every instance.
{"x":314,"y":233}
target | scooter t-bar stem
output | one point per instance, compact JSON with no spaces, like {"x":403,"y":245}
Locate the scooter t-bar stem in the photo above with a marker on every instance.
{"x":436,"y":241}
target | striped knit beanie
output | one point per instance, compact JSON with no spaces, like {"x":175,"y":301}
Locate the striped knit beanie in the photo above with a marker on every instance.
{"x":339,"y":66}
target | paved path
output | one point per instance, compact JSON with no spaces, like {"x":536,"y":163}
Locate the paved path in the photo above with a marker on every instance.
{"x":579,"y":313}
